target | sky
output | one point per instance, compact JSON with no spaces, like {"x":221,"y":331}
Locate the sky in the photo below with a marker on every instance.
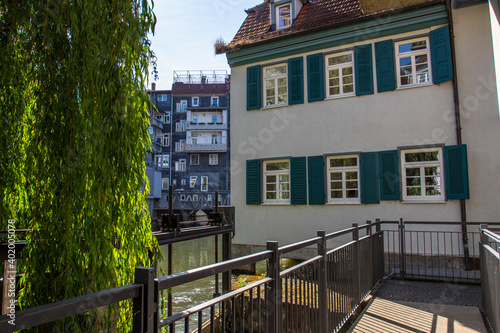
{"x":186,"y":30}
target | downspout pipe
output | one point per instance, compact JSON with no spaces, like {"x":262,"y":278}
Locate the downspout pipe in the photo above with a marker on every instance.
{"x":458,"y":127}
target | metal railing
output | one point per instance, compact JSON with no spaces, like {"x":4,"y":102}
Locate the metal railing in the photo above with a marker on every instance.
{"x":490,"y":276}
{"x":317,"y":295}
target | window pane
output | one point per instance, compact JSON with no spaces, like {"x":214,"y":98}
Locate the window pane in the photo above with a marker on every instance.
{"x":336,"y":194}
{"x":347,"y":71}
{"x":334,"y":91}
{"x":277,"y":166}
{"x":270,"y":179}
{"x":433,"y":191}
{"x":336,"y":185}
{"x":351,"y":175}
{"x":412,"y":181}
{"x":340,"y":59}
{"x":432,"y":171}
{"x":413,"y":191}
{"x":343,"y":162}
{"x":271,"y":195}
{"x":269,"y":84}
{"x":284,"y":178}
{"x":333,"y":73}
{"x":351,"y":185}
{"x":271,"y":187}
{"x":334,"y":82}
{"x":284,"y":195}
{"x":432,"y":180}
{"x":285,"y":187}
{"x":348,"y":88}
{"x":336,"y":176}
{"x":352,"y":194}
{"x":412,"y":172}
{"x":422,"y":157}
{"x":276,"y":70}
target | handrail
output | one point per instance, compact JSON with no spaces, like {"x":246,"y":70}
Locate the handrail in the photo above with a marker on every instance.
{"x":299,"y":245}
{"x":44,"y":314}
{"x":170,"y":281}
{"x":491,"y":235}
{"x":212,"y":302}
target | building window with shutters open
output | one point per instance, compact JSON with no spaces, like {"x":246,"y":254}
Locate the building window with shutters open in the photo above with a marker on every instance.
{"x":340,"y":75}
{"x":277,"y":182}
{"x":413,"y":63}
{"x":422,"y":174}
{"x":343,"y":179}
{"x":275,"y":85}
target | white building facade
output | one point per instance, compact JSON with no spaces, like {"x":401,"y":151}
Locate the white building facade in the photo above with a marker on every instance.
{"x":387,"y":115}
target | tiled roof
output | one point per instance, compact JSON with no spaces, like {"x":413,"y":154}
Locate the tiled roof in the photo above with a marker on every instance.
{"x":314,"y":14}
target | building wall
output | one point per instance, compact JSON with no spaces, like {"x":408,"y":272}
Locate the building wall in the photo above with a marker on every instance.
{"x":479,"y":109}
{"x":382,"y":121}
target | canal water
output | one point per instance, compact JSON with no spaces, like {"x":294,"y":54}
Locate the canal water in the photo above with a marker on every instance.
{"x":185,"y":256}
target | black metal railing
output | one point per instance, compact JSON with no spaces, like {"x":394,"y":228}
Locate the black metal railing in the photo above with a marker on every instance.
{"x":490,"y":275}
{"x":317,"y":295}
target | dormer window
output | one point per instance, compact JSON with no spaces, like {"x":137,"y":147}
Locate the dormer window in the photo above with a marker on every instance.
{"x":283,"y":15}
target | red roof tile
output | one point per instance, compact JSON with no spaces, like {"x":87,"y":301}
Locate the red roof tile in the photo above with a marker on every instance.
{"x":314,"y":14}
{"x":179,"y":88}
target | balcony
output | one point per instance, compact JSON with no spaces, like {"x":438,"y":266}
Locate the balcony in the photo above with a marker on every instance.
{"x":156,"y":122}
{"x":207,"y":126}
{"x":156,"y":147}
{"x":206,"y":148}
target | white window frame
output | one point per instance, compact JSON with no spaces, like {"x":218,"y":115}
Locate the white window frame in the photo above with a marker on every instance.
{"x":165,"y":140}
{"x":180,"y":165}
{"x":194,"y":159}
{"x":163,"y":181}
{"x":194,"y":118}
{"x":343,"y":171}
{"x":180,"y":146}
{"x":204,"y":183}
{"x":413,"y":54}
{"x":167,"y":118}
{"x":195,"y":101}
{"x":275,"y":79}
{"x":216,"y":98}
{"x":214,"y":122}
{"x":277,"y":183}
{"x":181,"y":106}
{"x":165,"y":162}
{"x":213,"y":159}
{"x":423,"y":197}
{"x":340,"y":68}
{"x":192,"y":181}
{"x":183,"y":182}
{"x":278,"y":16}
{"x":162,"y":98}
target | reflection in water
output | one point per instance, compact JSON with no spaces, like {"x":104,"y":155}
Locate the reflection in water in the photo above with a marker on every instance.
{"x":188,"y":255}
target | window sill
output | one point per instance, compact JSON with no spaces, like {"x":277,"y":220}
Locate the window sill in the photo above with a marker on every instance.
{"x":415,"y":86}
{"x":343,"y":203}
{"x":275,"y":204}
{"x":422,"y":201}
{"x":274,"y":106}
{"x":340,"y":96}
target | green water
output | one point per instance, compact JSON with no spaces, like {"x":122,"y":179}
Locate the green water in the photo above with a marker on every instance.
{"x":188,"y":255}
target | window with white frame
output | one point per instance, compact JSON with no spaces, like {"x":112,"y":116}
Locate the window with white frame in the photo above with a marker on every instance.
{"x":214,"y":139}
{"x":165,"y":140}
{"x":195,"y":101}
{"x":194,"y":118}
{"x":194,"y":138}
{"x":275,"y":83}
{"x":413,"y":61}
{"x":340,"y":74}
{"x":165,"y":161}
{"x":422,"y":174}
{"x":181,"y":107}
{"x":166,"y":118}
{"x":183,"y":182}
{"x":164,"y":184}
{"x":213,"y":159}
{"x":277,"y":181}
{"x":343,"y":179}
{"x":204,"y":183}
{"x":283,"y":16}
{"x":180,"y":165}
{"x":214,"y":118}
{"x":194,"y":159}
{"x":180,"y":146}
{"x":162,"y":98}
{"x":180,"y":126}
{"x":192,"y":181}
{"x":214,"y":101}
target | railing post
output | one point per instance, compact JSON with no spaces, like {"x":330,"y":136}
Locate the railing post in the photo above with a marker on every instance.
{"x":322,"y":283}
{"x":145,"y":276}
{"x":402,"y":252}
{"x":274,"y":313}
{"x":357,"y":275}
{"x":226,"y":255}
{"x":378,"y":227}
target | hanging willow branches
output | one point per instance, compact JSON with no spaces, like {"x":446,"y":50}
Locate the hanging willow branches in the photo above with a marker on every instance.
{"x":74,"y":117}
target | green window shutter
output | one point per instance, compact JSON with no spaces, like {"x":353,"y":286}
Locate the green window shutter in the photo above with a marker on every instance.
{"x":253,"y":88}
{"x":389,"y":175}
{"x":315,"y":82}
{"x":369,"y":178}
{"x":298,"y":182}
{"x":296,"y":80}
{"x":316,"y":180}
{"x":363,"y":65}
{"x":457,"y":173}
{"x":442,"y":69}
{"x":253,"y":182}
{"x":384,"y":57}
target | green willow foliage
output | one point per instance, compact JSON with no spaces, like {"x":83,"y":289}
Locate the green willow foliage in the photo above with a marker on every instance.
{"x":74,"y":117}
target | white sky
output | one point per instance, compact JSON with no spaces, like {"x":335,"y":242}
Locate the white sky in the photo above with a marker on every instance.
{"x":186,"y":30}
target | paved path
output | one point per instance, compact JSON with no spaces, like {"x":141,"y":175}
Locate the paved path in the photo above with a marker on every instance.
{"x":408,"y":306}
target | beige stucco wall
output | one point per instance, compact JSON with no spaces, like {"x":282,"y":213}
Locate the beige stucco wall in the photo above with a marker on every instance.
{"x":479,"y":109}
{"x":383,"y":121}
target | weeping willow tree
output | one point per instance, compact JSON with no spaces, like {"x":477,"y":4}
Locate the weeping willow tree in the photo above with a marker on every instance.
{"x":74,"y":117}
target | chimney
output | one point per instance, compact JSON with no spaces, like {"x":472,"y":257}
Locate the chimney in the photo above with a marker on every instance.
{"x":153,"y":86}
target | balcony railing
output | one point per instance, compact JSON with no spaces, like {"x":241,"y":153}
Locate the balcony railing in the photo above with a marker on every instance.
{"x":156,"y":147}
{"x":156,"y":122}
{"x":207,"y":126}
{"x":220,"y":147}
